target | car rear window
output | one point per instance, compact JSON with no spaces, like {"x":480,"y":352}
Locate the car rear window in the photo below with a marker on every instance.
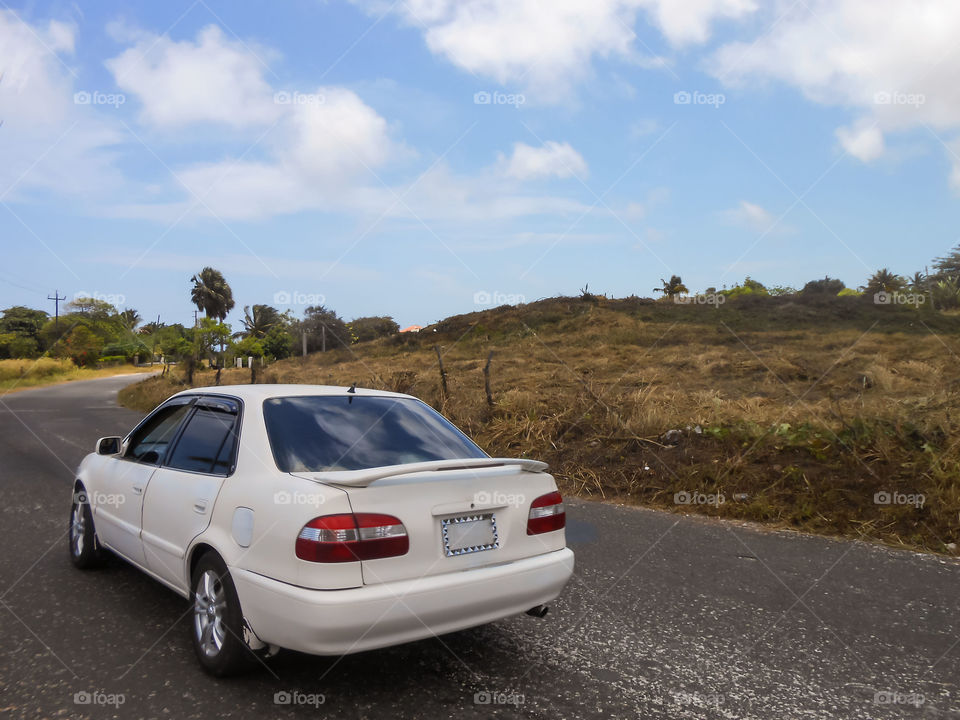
{"x":328,"y":433}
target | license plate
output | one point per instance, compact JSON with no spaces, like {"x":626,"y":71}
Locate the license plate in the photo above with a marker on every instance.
{"x":469,"y":534}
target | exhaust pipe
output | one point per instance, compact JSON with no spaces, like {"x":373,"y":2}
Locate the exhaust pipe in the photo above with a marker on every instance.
{"x":538,"y":611}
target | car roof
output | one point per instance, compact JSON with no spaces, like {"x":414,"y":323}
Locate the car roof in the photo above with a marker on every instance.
{"x":269,"y":390}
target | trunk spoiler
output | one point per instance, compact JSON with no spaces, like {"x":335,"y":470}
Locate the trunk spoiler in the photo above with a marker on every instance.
{"x":363,"y":478}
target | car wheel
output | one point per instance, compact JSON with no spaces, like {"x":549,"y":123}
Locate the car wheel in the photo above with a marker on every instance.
{"x":217,"y":625}
{"x":85,"y":551}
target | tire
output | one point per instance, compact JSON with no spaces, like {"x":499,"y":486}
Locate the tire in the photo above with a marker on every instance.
{"x":85,"y":550}
{"x":216,"y":625}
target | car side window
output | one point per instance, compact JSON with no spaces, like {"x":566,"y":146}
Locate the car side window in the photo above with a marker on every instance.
{"x":208,"y":441}
{"x":149,"y":443}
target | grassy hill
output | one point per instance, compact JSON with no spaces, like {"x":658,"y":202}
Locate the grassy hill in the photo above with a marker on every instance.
{"x":800,"y":412}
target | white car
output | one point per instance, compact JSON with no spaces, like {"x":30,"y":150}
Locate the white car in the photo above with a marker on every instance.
{"x":321,"y":519}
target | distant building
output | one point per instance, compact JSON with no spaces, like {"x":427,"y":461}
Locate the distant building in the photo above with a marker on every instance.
{"x":413,"y":328}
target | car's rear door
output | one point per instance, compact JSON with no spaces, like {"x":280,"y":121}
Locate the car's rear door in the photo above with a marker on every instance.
{"x":180,"y":498}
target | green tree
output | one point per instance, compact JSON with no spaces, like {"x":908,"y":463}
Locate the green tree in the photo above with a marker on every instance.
{"x":946,"y":294}
{"x":211,"y":293}
{"x":279,"y":343}
{"x":672,"y":288}
{"x":883,"y":281}
{"x":92,"y":308}
{"x":371,"y":328}
{"x":749,"y":286}
{"x":23,"y":321}
{"x":948,"y":266}
{"x":130,"y":319}
{"x":82,"y":346}
{"x":318,"y":322}
{"x":259,"y":321}
{"x":827,"y":286}
{"x":20,"y":329}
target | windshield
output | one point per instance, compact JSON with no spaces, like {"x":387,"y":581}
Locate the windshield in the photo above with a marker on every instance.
{"x":328,"y":433}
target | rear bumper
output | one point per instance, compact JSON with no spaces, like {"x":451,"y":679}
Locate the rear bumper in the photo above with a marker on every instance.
{"x":339,"y":622}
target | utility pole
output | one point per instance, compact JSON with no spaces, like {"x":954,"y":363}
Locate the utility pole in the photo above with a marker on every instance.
{"x":323,"y":336}
{"x":195,"y":312}
{"x":303,"y":337}
{"x":56,"y":298}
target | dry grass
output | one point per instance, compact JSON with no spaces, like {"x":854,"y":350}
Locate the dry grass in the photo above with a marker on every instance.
{"x":797,"y":415}
{"x":22,"y":374}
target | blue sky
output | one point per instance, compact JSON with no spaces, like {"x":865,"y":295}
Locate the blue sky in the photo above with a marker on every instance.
{"x":416,"y":158}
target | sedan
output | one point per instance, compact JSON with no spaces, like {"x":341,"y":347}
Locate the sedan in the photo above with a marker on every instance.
{"x":321,"y":519}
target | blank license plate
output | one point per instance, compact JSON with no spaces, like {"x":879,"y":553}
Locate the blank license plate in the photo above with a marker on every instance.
{"x":469,"y":534}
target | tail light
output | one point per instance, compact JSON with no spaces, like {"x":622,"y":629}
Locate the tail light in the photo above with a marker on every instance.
{"x":350,"y":537}
{"x":546,"y":514}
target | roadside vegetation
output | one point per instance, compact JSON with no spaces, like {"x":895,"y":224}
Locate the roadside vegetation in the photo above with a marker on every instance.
{"x":826,"y":408}
{"x":824,"y":414}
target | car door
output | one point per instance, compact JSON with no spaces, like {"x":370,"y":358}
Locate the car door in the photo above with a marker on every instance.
{"x":179,"y":500}
{"x":126,"y":477}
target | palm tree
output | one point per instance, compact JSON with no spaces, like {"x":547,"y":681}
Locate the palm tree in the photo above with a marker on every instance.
{"x":130,"y":319}
{"x":211,"y":293}
{"x":884,"y":281}
{"x":259,"y":321}
{"x":673,"y":288}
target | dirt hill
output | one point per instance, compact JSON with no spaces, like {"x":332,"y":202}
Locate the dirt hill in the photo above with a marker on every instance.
{"x":831,"y":415}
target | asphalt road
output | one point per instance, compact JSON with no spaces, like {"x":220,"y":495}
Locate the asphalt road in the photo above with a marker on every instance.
{"x":667,"y":616}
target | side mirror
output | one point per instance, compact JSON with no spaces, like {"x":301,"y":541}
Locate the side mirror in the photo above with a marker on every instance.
{"x":108,"y":445}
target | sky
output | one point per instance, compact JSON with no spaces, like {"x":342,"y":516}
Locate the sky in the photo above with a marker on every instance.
{"x":423,"y":158}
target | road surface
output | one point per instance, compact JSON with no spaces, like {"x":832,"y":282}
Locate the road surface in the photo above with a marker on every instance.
{"x":667,"y":616}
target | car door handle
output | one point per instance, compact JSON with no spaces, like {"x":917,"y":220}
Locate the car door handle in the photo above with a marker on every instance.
{"x":138,"y":490}
{"x":200,"y":506}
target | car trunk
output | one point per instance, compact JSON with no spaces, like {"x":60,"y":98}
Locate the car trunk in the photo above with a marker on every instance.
{"x":458,"y":515}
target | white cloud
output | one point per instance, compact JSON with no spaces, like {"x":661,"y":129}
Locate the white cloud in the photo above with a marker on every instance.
{"x":864,"y":141}
{"x":548,"y":47}
{"x":48,"y":142}
{"x":895,"y":63}
{"x":755,"y":217}
{"x":552,"y":159}
{"x":210,"y":80}
{"x":688,"y":22}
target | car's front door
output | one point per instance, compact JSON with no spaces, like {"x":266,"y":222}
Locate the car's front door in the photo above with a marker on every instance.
{"x":126,"y":477}
{"x":179,"y":500}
